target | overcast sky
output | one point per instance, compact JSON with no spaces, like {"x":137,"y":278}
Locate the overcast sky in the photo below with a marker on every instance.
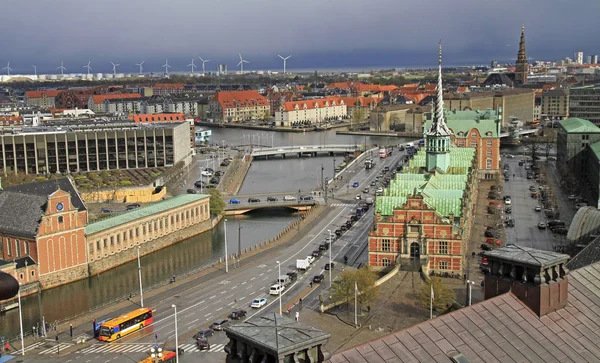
{"x":318,"y":33}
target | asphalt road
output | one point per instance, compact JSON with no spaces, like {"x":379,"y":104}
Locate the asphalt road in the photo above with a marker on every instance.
{"x":201,"y":302}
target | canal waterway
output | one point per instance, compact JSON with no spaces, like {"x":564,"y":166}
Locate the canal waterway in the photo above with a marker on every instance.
{"x":271,"y":175}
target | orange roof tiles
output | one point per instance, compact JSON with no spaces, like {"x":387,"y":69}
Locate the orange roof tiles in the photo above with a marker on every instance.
{"x":41,"y":94}
{"x":110,"y":96}
{"x":157,"y":117}
{"x":169,"y":85}
{"x":462,"y":89}
{"x":340,"y":85}
{"x":234,"y":99}
{"x":360,"y":101}
{"x":310,"y":104}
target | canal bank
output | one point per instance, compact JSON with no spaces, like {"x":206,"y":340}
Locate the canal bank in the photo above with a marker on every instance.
{"x":381,"y":134}
{"x":279,"y":128}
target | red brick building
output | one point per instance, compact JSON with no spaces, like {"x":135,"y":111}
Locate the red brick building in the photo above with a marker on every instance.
{"x":168,"y":88}
{"x":46,"y":222}
{"x":11,"y":121}
{"x":157,"y":117}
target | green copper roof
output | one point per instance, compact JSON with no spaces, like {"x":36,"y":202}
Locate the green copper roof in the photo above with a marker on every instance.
{"x":578,"y":125}
{"x":441,"y":191}
{"x":596,"y":149}
{"x":464,"y":121}
{"x":142,"y":212}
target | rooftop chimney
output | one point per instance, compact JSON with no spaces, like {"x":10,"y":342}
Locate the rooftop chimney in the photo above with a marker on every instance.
{"x":538,"y":278}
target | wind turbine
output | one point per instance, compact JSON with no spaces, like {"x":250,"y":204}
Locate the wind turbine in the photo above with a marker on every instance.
{"x":34,"y":70}
{"x":192,"y":65}
{"x":62,"y":68}
{"x":8,"y":69}
{"x":203,"y":61}
{"x":88,"y":67}
{"x":241,"y":63}
{"x":284,"y":61}
{"x":115,"y":68}
{"x":140,"y":65}
{"x":166,"y":66}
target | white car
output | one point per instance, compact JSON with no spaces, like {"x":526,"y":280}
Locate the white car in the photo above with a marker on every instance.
{"x":507,"y":201}
{"x":276,"y":289}
{"x":538,"y":208}
{"x":206,"y":173}
{"x":289,"y":198}
{"x":572,"y":197}
{"x":259,"y":303}
{"x":358,"y":197}
{"x":310,"y":259}
{"x":509,"y":156}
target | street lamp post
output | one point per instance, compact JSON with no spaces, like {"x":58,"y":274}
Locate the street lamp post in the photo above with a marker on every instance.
{"x":470,"y":283}
{"x":333,"y":173}
{"x":226,"y":258}
{"x":140,"y":277}
{"x":239,"y":242}
{"x":279,"y":271}
{"x":21,"y":321}
{"x":330,"y":253}
{"x":176,"y":336}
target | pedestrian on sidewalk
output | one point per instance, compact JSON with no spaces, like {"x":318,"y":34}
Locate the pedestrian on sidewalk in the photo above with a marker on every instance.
{"x":311,"y":284}
{"x":297,"y":316}
{"x":6,"y":347}
{"x":71,"y":330}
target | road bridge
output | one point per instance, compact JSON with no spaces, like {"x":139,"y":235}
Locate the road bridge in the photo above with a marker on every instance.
{"x":238,"y":205}
{"x":300,"y":150}
{"x":522,"y":132}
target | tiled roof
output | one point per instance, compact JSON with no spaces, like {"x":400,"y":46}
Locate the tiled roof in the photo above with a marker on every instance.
{"x":47,"y":187}
{"x":157,"y":117}
{"x":169,"y":85}
{"x":360,"y":101}
{"x":100,"y":98}
{"x":234,"y":99}
{"x":464,"y":121}
{"x":500,"y":329}
{"x":40,"y":94}
{"x":462,"y":89}
{"x":21,"y":213}
{"x":310,"y":104}
{"x":579,"y":125}
{"x":142,"y":212}
{"x":589,"y":255}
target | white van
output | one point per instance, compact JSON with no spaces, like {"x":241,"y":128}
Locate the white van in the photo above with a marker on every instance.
{"x":289,"y":198}
{"x":283,"y":280}
{"x":276,"y":289}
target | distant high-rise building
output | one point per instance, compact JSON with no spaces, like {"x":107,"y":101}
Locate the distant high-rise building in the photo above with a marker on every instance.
{"x":494,"y":64}
{"x":588,"y":59}
{"x":568,"y":60}
{"x":579,"y":57}
{"x":595,"y":59}
{"x":222,"y":69}
{"x":522,"y":66}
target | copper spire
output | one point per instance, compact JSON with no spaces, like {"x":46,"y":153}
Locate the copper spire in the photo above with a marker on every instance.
{"x":438,"y":126}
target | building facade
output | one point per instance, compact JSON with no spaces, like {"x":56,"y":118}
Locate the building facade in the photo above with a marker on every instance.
{"x":95,"y":102}
{"x":11,"y":121}
{"x":360,"y":107}
{"x":42,"y":99}
{"x":407,"y":118}
{"x":161,"y":117}
{"x":93,"y":147}
{"x":46,"y":222}
{"x":237,"y":106}
{"x":584,"y":103}
{"x":310,"y":112}
{"x":555,"y":104}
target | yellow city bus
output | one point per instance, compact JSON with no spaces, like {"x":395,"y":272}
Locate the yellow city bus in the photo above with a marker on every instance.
{"x":119,"y":327}
{"x":167,"y":357}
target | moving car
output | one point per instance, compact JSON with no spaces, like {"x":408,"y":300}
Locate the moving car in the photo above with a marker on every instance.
{"x":133,"y":206}
{"x":253,"y":200}
{"x":276,"y":289}
{"x":219,"y":324}
{"x":203,"y":344}
{"x":271,"y":199}
{"x":203,"y":334}
{"x":289,"y":198}
{"x":306,"y":197}
{"x":318,"y":278}
{"x":327,"y":266}
{"x":292,"y":275}
{"x":316,"y":253}
{"x":355,"y":184}
{"x":259,"y":303}
{"x":234,"y":201}
{"x":238,"y":314}
{"x":192,"y":191}
{"x":310,"y":259}
{"x":106,"y":210}
{"x":542,"y":225}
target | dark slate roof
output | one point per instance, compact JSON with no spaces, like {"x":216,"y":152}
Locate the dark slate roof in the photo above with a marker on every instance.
{"x":527,"y":256}
{"x":500,"y":78}
{"x":48,"y":187}
{"x":589,"y":255}
{"x":4,"y":262}
{"x":500,"y":329}
{"x":291,"y":334}
{"x":427,"y":101}
{"x":21,"y":213}
{"x":21,"y":261}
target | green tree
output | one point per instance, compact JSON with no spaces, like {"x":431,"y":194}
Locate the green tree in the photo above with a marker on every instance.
{"x":358,"y":114}
{"x":443,"y":295}
{"x":217,"y":204}
{"x":365,"y":278}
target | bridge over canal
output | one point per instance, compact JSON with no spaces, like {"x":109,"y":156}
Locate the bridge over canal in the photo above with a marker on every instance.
{"x":300,"y":150}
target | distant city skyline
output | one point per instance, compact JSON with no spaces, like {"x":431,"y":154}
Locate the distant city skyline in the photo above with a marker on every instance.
{"x":366,"y":35}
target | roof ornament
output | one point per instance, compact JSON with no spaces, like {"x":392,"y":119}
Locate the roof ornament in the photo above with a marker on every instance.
{"x":438,"y":126}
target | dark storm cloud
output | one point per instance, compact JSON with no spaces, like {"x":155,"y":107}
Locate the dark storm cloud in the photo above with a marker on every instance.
{"x":317,"y":32}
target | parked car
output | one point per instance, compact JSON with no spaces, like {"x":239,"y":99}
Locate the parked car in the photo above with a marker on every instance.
{"x":199,"y":184}
{"x":272,"y":199}
{"x":327,"y":266}
{"x":106,"y":210}
{"x":358,"y":197}
{"x":293,"y":275}
{"x":556,"y":222}
{"x":192,"y":191}
{"x":318,"y":278}
{"x":310,"y":259}
{"x":203,"y":344}
{"x":366,"y":190}
{"x":210,"y":186}
{"x":560,"y":230}
{"x":238,"y":314}
{"x":486,"y":247}
{"x":203,"y":334}
{"x":215,"y":180}
{"x":508,"y":210}
{"x":219,"y":173}
{"x":373,"y":183}
{"x":490,"y":233}
{"x":259,"y":303}
{"x":538,"y":208}
{"x":542,"y":225}
{"x":316,"y":253}
{"x":253,"y":200}
{"x":572,"y":197}
{"x":510,"y":223}
{"x":234,"y":201}
{"x":133,"y":206}
{"x":219,"y":324}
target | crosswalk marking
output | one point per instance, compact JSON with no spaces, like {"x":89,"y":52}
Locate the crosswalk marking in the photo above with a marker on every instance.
{"x":55,"y":349}
{"x":134,"y":348}
{"x":342,"y":205}
{"x":34,"y":346}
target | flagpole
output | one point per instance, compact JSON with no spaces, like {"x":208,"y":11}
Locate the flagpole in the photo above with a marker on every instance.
{"x":355,"y":304}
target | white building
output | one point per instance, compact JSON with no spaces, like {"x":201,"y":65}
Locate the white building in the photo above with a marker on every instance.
{"x":579,"y":57}
{"x":310,"y":111}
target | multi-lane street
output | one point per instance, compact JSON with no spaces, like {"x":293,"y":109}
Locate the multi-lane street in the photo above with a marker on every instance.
{"x":216,"y":295}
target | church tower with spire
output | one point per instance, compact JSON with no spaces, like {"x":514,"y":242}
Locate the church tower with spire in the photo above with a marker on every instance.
{"x":438,"y":136}
{"x":522,"y":67}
